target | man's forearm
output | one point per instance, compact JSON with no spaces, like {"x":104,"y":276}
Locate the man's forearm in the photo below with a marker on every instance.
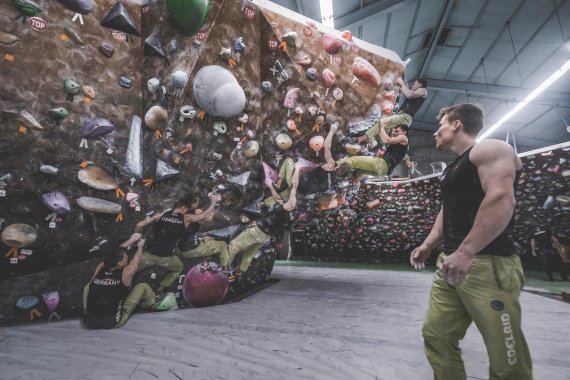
{"x":435,"y":236}
{"x":137,"y":257}
{"x":274,"y":194}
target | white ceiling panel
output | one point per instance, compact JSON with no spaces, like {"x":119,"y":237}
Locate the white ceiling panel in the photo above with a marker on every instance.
{"x":457,"y":36}
{"x":465,"y":12}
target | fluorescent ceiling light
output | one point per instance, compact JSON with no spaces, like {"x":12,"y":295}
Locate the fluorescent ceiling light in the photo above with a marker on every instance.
{"x":553,"y":78}
{"x":327,"y":12}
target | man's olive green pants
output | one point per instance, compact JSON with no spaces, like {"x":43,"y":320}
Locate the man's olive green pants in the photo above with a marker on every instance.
{"x":371,"y":165}
{"x":209,"y":247}
{"x":249,"y":241}
{"x":171,"y":263}
{"x":389,"y":122}
{"x":489,"y":296}
{"x":286,"y":173}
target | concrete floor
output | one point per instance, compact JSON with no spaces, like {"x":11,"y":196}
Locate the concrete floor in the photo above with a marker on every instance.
{"x":316,"y":323}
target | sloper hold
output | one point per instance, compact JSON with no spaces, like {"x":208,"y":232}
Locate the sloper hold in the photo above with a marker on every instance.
{"x":19,"y":235}
{"x":98,"y":205}
{"x":57,"y":202}
{"x":188,"y":15}
{"x":119,"y":19}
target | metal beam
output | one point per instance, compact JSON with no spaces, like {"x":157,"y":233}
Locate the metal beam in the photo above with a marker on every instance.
{"x":433,"y":43}
{"x":497,"y":92}
{"x":424,"y":125}
{"x":299,"y":5}
{"x":536,"y":32}
{"x":516,"y":11}
{"x":405,"y":55}
{"x":481,"y":11}
{"x":389,"y":18}
{"x":525,"y":126}
{"x":521,"y":140}
{"x":362,"y":14}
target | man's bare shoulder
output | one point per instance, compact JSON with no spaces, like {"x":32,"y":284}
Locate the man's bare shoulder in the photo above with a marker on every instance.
{"x":490,"y":150}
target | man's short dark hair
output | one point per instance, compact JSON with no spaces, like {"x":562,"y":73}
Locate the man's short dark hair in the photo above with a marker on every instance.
{"x":403,"y":127}
{"x":343,"y":171}
{"x":184,"y":202}
{"x":113,"y":257}
{"x":468,"y":114}
{"x":423,"y":82}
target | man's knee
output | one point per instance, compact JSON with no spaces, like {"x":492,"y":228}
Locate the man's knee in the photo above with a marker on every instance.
{"x":176,"y":265}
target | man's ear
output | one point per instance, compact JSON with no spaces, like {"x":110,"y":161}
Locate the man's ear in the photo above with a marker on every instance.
{"x":456,"y":125}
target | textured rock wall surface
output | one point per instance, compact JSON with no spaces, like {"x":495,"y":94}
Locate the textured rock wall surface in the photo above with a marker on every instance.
{"x":403,"y":216}
{"x":75,"y":123}
{"x":34,"y":80}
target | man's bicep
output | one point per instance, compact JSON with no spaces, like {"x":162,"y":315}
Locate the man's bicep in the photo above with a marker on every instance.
{"x":497,"y":174}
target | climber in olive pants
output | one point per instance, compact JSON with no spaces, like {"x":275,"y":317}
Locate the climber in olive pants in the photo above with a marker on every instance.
{"x":141,"y":295}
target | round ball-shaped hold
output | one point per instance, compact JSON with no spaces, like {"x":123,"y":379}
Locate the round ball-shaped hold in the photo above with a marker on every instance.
{"x":316,"y":143}
{"x":205,"y":287}
{"x":283,"y":141}
{"x":179,"y":79}
{"x":251,"y":148}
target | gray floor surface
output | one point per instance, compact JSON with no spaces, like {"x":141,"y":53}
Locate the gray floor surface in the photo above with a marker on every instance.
{"x":316,"y":323}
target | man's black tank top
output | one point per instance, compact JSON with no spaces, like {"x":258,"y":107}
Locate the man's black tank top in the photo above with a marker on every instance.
{"x":189,"y":239}
{"x":105,"y":299}
{"x":166,"y":232}
{"x":411,"y":106}
{"x":394,"y":155}
{"x":462,"y":195}
{"x":276,"y":221}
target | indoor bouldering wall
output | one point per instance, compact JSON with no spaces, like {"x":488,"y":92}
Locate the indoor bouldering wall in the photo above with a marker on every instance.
{"x":112,"y":111}
{"x":386,"y":220}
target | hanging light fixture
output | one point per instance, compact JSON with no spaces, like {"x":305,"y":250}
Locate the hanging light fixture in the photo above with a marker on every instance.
{"x":327,"y":12}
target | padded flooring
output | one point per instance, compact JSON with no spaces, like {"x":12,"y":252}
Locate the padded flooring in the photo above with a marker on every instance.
{"x":315,"y":323}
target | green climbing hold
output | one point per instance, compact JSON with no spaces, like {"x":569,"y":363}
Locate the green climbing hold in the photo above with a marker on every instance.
{"x":189,"y":15}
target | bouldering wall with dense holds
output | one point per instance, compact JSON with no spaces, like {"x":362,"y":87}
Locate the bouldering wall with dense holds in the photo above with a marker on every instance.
{"x":71,"y":90}
{"x":385,"y":221}
{"x":112,"y":111}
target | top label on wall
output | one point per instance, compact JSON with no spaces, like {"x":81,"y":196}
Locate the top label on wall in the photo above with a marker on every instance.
{"x":38,"y":24}
{"x":249,"y":12}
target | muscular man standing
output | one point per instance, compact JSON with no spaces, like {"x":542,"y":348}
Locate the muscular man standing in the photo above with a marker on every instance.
{"x":479,"y":276}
